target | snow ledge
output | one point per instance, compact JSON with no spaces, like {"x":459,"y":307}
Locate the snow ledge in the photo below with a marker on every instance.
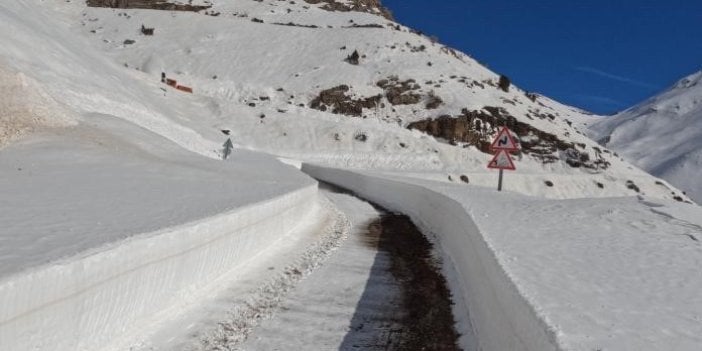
{"x":87,"y":302}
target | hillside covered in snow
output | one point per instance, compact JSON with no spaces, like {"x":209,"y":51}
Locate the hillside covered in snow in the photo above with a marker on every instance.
{"x":662,"y":134}
{"x":331,"y":82}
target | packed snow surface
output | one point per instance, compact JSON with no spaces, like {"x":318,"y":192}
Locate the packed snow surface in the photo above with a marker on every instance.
{"x":595,"y":274}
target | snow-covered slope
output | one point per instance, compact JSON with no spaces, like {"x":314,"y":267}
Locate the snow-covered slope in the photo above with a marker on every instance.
{"x":283,"y":78}
{"x":75,"y":80}
{"x":662,"y":135}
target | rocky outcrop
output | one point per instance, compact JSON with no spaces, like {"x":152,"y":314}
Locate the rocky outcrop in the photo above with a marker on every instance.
{"x":146,"y":4}
{"x":400,"y":92}
{"x":477,"y":128}
{"x":468,"y":128}
{"x":336,"y":100}
{"x":370,"y":6}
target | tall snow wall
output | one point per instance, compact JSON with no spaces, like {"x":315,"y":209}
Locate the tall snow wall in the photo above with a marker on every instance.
{"x":88,"y":302}
{"x":491,"y":314}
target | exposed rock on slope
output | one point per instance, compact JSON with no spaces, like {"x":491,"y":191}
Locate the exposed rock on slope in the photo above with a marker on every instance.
{"x":146,"y":4}
{"x":478,"y":128}
{"x":337,"y":101}
{"x":400,"y":92}
{"x":370,"y":6}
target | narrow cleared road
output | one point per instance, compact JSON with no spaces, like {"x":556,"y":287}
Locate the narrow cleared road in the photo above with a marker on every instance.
{"x":378,"y":291}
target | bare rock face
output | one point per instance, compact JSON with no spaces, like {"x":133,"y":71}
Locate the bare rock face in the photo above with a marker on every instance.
{"x":466,"y":129}
{"x":146,"y":4}
{"x":477,"y":128}
{"x":370,"y":6}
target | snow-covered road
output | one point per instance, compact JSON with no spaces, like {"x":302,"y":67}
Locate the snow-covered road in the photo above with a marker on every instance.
{"x":380,"y":291}
{"x":347,"y":283}
{"x":354,"y":288}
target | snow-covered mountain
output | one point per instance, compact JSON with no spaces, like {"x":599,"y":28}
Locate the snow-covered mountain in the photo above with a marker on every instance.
{"x":122,"y":226}
{"x":662,"y":135}
{"x":333,"y":82}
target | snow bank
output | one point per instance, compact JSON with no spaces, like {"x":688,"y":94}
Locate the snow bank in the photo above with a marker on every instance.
{"x":85,"y":303}
{"x":488,"y":305}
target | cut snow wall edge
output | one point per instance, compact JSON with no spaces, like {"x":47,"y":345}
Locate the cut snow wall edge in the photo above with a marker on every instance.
{"x":491,"y":313}
{"x":89,"y":302}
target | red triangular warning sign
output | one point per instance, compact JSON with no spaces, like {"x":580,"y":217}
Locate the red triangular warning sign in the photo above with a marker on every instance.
{"x":502,"y":160}
{"x":504,"y":141}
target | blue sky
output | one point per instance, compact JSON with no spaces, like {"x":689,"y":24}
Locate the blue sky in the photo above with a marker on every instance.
{"x":603,"y":56}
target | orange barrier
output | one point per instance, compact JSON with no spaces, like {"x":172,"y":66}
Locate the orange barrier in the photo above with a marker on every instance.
{"x":171,"y":82}
{"x":184,"y":88}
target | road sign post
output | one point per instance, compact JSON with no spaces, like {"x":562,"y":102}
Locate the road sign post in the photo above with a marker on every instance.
{"x":499,"y":182}
{"x":503,"y":144}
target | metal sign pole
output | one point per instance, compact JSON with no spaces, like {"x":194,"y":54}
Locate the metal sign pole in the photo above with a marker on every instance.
{"x":499,"y":182}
